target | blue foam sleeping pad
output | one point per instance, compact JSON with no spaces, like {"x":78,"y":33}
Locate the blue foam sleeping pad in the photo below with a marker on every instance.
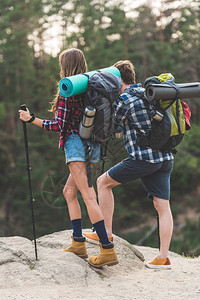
{"x":77,"y":84}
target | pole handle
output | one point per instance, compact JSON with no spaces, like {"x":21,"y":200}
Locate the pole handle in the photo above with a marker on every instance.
{"x":23,"y":107}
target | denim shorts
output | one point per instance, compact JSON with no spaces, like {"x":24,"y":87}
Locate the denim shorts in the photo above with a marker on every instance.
{"x":155,"y":176}
{"x":75,"y":151}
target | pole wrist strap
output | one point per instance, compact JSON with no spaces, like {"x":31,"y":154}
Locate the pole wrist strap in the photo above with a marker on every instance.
{"x":32,"y":118}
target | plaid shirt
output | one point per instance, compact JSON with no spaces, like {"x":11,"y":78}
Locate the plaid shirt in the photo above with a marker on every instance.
{"x":67,"y":119}
{"x":133,"y":112}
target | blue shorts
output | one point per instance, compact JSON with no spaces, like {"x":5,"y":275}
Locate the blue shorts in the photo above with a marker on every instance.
{"x":155,"y":176}
{"x":75,"y":151}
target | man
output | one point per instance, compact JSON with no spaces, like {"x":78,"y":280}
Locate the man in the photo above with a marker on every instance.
{"x":152,"y":166}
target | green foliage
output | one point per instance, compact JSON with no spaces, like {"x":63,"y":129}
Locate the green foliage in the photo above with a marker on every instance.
{"x":186,"y":244}
{"x":2,"y":113}
{"x":190,"y":238}
{"x":187,"y":159}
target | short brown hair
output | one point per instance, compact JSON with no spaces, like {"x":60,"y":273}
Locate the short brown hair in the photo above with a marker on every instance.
{"x":127,"y":71}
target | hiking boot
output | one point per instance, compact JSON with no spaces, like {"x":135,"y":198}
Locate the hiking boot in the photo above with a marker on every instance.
{"x":77,"y":247}
{"x":106,"y":257}
{"x":93,"y":237}
{"x":159,"y":263}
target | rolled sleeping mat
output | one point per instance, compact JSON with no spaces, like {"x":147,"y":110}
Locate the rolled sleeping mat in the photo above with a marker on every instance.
{"x":167,"y":92}
{"x":77,"y":84}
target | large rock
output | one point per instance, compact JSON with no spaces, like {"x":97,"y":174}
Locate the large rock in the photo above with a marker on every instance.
{"x":18,"y":265}
{"x":59,"y":275}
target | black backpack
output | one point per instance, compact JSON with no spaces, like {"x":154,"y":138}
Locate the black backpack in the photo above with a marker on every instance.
{"x":167,"y":119}
{"x":102,"y":91}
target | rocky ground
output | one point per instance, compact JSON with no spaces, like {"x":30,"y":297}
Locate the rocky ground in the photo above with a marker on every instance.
{"x":59,"y":275}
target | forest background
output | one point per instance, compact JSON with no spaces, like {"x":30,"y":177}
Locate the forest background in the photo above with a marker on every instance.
{"x":158,"y":37}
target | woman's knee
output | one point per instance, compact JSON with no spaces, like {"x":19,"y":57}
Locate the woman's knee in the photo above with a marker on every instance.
{"x":70,"y":193}
{"x":89,"y":196}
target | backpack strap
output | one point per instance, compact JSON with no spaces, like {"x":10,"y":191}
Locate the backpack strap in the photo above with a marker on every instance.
{"x":87,"y":162}
{"x":137,"y":93}
{"x":103,"y":155}
{"x":178,"y":116}
{"x":147,"y":105}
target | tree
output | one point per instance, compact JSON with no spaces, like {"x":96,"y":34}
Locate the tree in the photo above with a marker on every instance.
{"x":21,"y":73}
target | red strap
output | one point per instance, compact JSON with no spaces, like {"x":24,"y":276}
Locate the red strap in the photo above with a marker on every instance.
{"x":187,"y":114}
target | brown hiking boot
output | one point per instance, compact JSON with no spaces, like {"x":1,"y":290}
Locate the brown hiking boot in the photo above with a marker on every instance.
{"x":77,"y":247}
{"x":107,"y":256}
{"x":93,"y":237}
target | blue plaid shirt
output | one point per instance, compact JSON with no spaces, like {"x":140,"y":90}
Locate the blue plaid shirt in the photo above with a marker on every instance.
{"x":132,"y":111}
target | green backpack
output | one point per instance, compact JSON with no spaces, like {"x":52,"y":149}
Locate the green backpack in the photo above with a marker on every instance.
{"x":167,"y":119}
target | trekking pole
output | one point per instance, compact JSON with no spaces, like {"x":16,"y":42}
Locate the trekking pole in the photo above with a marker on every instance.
{"x":23,"y":107}
{"x":157,"y":217}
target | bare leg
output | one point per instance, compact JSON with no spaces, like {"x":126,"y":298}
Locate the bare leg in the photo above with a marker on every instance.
{"x":70,"y":194}
{"x":165,"y":225}
{"x":79,"y":174}
{"x":106,"y":199}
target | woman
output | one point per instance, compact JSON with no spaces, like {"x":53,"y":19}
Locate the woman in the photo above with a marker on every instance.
{"x":68,"y":114}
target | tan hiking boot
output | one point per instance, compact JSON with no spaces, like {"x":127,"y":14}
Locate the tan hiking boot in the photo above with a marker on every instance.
{"x":107,"y":256}
{"x":77,"y":247}
{"x":93,"y":237}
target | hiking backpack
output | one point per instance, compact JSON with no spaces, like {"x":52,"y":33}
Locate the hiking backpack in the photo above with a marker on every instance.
{"x":102,"y":91}
{"x":168,"y":123}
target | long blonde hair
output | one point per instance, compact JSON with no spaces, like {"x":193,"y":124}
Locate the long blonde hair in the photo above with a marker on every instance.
{"x":72,"y":62}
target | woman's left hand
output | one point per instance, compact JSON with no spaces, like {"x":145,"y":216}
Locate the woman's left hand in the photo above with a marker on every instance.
{"x":24,"y":115}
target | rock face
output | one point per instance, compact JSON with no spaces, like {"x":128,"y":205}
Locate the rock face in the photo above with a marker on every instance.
{"x":19,"y":268}
{"x":61,"y":275}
